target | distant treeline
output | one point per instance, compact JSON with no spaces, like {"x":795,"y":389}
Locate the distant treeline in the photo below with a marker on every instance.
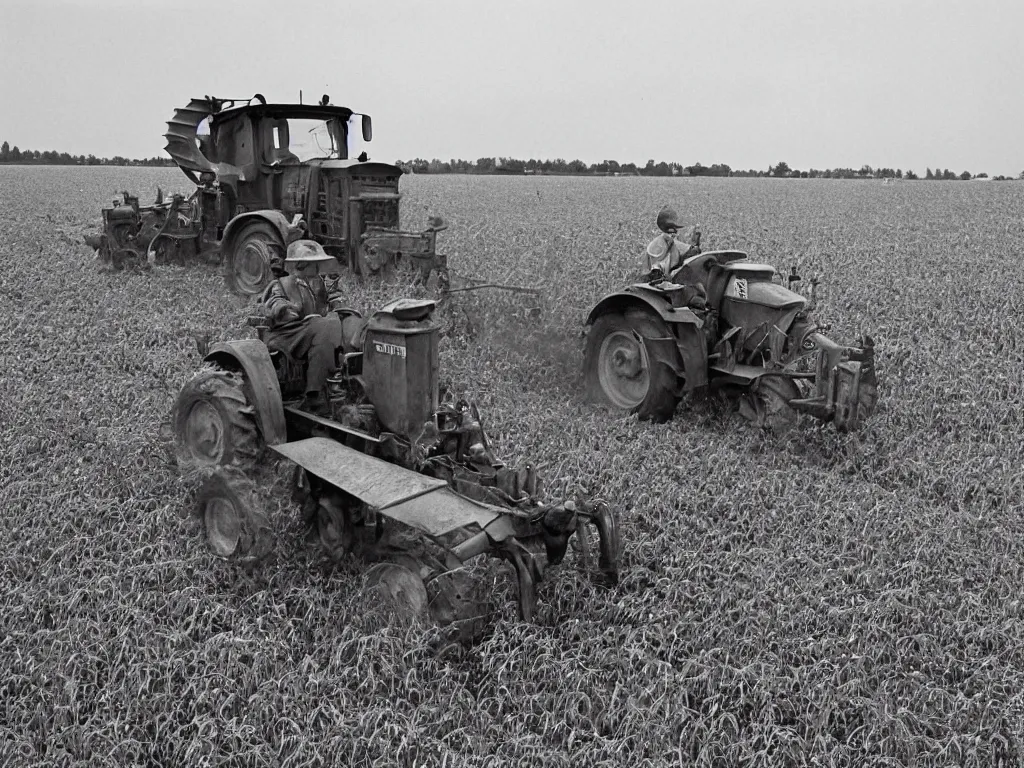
{"x":558,"y":167}
{"x":507,"y":165}
{"x":9,"y":154}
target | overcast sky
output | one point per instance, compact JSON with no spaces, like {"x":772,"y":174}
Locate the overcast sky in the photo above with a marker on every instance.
{"x":817,"y":83}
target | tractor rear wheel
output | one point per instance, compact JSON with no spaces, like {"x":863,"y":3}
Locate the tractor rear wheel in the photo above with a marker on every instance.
{"x":247,"y":264}
{"x":214,"y":422}
{"x":235,"y":523}
{"x":624,"y":371}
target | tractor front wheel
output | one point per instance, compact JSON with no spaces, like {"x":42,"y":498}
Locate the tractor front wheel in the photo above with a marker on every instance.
{"x":247,"y":263}
{"x":624,"y":370}
{"x":236,"y":526}
{"x":767,"y":406}
{"x":214,"y":422}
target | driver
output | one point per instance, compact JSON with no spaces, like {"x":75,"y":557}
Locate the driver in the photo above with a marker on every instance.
{"x":304,"y":324}
{"x":667,"y":252}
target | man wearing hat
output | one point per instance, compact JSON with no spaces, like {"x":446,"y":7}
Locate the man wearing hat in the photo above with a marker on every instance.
{"x":668,"y":251}
{"x":300,"y":312}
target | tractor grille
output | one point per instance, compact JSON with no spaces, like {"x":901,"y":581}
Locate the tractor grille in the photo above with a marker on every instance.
{"x":380,"y":213}
{"x":377,"y":182}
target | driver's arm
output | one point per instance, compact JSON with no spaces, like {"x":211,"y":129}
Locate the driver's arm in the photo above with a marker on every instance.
{"x":277,"y":307}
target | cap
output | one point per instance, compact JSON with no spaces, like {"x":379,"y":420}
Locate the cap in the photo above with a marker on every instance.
{"x":668,"y":219}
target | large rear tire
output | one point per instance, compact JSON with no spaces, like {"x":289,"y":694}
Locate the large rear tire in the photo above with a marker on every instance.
{"x":247,"y":263}
{"x":234,"y":521}
{"x":628,"y":373}
{"x":214,"y":422}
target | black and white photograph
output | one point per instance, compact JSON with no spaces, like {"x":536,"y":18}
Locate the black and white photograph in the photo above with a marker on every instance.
{"x":539,"y":383}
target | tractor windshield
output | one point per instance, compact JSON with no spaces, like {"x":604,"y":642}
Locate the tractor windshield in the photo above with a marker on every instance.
{"x":311,"y":139}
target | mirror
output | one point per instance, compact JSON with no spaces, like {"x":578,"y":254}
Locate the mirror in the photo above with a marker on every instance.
{"x":367,"y":128}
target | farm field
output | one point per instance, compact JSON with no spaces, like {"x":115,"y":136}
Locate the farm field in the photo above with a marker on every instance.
{"x":812,"y":599}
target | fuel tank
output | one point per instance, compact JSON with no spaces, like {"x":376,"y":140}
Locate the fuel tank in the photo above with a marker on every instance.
{"x":400,"y":365}
{"x":751,"y":298}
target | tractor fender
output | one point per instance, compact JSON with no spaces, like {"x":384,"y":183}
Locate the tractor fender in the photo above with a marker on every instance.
{"x":691,"y":342}
{"x":275,"y":218}
{"x":253,"y":357}
{"x":639,"y":298}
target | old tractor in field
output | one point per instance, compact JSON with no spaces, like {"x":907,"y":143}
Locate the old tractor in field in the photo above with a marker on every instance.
{"x":714,"y":320}
{"x":389,"y":457}
{"x":265,"y":175}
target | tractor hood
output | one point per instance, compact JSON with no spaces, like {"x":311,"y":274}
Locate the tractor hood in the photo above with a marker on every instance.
{"x":355,"y":167}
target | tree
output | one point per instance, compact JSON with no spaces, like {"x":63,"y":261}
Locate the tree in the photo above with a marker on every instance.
{"x":782,"y":169}
{"x":910,"y":175}
{"x":5,"y":152}
{"x":928,"y":174}
{"x":965,"y":176}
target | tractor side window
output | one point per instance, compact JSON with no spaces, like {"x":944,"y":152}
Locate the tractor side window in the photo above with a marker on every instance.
{"x":280,"y":150}
{"x":204,"y":140}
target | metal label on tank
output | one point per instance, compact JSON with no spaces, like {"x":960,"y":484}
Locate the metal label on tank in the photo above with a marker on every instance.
{"x":385,"y":348}
{"x":738,"y":288}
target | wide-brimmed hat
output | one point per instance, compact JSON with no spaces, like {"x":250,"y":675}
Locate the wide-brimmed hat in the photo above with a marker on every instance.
{"x":306,"y":251}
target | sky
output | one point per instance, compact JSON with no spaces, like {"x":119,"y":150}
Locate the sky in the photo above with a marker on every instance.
{"x":820,"y":84}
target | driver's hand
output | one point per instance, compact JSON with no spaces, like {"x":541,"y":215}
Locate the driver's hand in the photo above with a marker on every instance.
{"x":287,"y":312}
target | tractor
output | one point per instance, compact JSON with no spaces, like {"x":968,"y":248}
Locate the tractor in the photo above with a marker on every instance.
{"x":390,"y":455}
{"x":266,"y":175}
{"x":714,"y":321}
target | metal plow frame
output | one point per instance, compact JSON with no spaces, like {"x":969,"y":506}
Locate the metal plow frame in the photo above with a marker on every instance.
{"x":845,"y":383}
{"x":432,"y":507}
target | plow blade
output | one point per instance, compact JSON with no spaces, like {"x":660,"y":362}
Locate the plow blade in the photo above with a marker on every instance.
{"x":846,"y":385}
{"x":424,"y":503}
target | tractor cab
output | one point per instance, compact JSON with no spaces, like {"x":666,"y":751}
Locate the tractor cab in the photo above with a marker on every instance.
{"x":263,"y":153}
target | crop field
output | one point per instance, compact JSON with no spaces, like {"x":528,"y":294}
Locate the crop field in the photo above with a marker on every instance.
{"x":811,"y":599}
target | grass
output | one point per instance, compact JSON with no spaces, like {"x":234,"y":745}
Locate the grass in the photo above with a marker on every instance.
{"x":818,"y":599}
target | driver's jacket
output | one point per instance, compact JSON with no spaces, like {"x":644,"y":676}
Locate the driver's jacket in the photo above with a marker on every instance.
{"x":666,"y":253}
{"x":311,"y":294}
